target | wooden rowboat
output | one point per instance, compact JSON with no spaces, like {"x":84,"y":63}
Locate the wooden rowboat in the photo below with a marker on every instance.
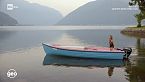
{"x":86,"y":52}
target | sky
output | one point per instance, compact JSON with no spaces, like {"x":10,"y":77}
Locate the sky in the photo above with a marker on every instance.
{"x":63,"y":6}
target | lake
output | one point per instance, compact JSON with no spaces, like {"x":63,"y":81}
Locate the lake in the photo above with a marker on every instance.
{"x":21,"y":49}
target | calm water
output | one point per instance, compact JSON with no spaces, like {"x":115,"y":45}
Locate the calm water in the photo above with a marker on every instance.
{"x":21,"y":50}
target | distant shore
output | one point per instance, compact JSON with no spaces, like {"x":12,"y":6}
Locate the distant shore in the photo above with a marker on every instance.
{"x":134,"y":31}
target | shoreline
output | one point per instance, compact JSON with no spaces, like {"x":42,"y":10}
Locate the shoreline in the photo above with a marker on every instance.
{"x":134,"y":31}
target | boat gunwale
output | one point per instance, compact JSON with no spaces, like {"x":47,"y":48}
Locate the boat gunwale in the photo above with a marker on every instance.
{"x":80,"y":50}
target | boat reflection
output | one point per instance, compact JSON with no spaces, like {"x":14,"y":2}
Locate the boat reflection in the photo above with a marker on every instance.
{"x":79,"y":62}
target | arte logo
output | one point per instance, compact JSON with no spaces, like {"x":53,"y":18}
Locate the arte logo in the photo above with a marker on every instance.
{"x":11,"y":73}
{"x":11,"y":7}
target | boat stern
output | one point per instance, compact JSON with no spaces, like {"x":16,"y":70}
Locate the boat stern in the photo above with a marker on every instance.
{"x":127,"y":51}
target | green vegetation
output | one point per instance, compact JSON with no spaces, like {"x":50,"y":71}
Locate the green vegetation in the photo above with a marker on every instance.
{"x":139,"y":16}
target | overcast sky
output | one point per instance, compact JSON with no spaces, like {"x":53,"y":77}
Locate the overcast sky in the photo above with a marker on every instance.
{"x":63,"y":6}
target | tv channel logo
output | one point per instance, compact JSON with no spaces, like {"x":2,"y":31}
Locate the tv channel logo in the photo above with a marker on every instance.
{"x":11,"y":7}
{"x":11,"y":73}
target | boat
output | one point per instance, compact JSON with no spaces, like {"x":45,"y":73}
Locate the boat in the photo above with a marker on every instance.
{"x":81,"y":62}
{"x":87,"y":52}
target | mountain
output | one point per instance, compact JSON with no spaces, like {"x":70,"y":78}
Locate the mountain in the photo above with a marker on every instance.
{"x":6,"y":20}
{"x":31,"y":13}
{"x":100,"y":12}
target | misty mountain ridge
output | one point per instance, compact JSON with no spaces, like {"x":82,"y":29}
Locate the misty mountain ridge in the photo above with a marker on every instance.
{"x":31,"y":13}
{"x":100,"y":13}
{"x":6,"y":20}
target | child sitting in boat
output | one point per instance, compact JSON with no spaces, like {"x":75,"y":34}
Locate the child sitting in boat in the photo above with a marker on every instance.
{"x":111,"y":43}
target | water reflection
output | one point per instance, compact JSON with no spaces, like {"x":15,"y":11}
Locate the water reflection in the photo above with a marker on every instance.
{"x":136,"y":72}
{"x":140,"y":43}
{"x":30,"y":62}
{"x":14,"y":40}
{"x":100,"y":37}
{"x":80,"y":62}
{"x":86,"y":63}
{"x":5,"y":34}
{"x":140,"y":47}
{"x":66,"y":39}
